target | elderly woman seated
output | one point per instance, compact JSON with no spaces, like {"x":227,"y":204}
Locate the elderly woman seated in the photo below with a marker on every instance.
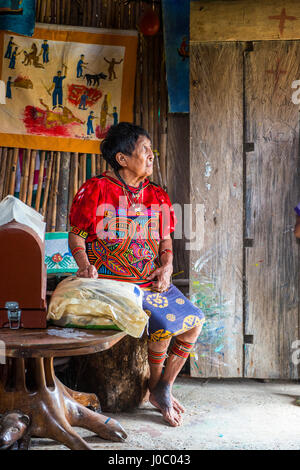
{"x":120,"y":229}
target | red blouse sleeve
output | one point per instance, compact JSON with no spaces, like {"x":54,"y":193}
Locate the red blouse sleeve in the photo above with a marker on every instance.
{"x":84,"y":207}
{"x":167,"y":218}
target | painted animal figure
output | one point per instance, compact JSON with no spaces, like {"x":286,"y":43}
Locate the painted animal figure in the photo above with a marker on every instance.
{"x":94,"y":79}
{"x":14,"y":431}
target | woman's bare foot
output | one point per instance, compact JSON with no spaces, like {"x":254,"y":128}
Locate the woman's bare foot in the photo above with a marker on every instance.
{"x":161,"y":398}
{"x":177,"y":406}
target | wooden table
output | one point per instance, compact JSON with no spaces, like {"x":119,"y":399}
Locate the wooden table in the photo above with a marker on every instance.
{"x":28,"y":383}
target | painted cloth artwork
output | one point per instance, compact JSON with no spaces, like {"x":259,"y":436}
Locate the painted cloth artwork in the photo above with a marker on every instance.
{"x":17,"y":16}
{"x":176,"y":16}
{"x":65,"y":88}
{"x":123,"y":245}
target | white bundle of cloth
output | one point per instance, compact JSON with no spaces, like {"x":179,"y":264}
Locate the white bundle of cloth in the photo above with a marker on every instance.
{"x":12,"y":208}
{"x":98,"y":303}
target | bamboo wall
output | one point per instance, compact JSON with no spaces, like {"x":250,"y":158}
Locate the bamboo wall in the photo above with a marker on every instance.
{"x":65,"y":171}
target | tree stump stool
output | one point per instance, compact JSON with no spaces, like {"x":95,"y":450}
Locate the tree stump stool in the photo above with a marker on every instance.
{"x":118,"y":376}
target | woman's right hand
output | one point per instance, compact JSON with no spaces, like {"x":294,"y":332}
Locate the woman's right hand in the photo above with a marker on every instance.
{"x":88,"y":271}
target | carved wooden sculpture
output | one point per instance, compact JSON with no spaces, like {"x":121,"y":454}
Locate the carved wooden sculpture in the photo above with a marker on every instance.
{"x":28,"y":383}
{"x":14,"y":431}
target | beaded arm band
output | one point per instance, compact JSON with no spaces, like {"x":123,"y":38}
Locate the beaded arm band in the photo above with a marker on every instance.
{"x":77,"y":249}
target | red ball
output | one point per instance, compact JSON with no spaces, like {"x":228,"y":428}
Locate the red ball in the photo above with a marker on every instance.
{"x":149,"y":23}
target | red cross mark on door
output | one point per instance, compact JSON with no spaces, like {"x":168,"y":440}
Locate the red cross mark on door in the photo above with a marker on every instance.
{"x":282,"y":17}
{"x":277,"y":72}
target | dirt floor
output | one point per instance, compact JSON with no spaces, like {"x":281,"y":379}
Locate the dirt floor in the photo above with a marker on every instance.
{"x":220,"y":414}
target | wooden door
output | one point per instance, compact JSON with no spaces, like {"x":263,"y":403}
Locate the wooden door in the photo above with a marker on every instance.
{"x":272,"y":191}
{"x":244,"y":164}
{"x":216,"y":176}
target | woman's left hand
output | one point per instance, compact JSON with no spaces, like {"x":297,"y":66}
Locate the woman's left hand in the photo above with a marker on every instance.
{"x":163,"y":278}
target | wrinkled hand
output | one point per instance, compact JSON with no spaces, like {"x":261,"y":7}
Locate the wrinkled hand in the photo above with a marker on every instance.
{"x":89,"y":271}
{"x":162,"y":278}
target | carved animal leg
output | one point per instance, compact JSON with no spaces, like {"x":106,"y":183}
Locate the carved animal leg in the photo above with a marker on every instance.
{"x":105,"y":427}
{"x":85,"y":399}
{"x":60,"y":430}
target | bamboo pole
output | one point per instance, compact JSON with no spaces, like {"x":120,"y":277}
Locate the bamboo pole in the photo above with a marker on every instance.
{"x":48,"y":214}
{"x":68,"y":12}
{"x":108,"y":14}
{"x":83,"y":164}
{"x":71,"y":187}
{"x":63,"y":192}
{"x":14,"y":165}
{"x":47,"y":182}
{"x":43,"y":14}
{"x":3,"y":171}
{"x":40,"y":181}
{"x":89,"y":7}
{"x":31,"y":177}
{"x":8,"y":172}
{"x":80,"y":172}
{"x":22,"y":168}
{"x":98,"y":164}
{"x":75,"y":157}
{"x":55,"y":193}
{"x":93,"y":164}
{"x":23,"y":196}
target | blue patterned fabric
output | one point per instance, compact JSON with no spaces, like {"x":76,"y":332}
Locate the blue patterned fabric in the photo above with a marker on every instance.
{"x":170,"y":312}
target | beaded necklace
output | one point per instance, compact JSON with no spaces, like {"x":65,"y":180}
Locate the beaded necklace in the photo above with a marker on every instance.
{"x":134,"y":199}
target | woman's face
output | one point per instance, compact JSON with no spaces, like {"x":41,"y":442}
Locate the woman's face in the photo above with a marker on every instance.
{"x":140,"y":162}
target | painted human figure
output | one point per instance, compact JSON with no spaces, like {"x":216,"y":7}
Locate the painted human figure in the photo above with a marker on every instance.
{"x":114,"y":115}
{"x":45,"y":49}
{"x":12,"y":63}
{"x":111,"y":68}
{"x":57,"y":95}
{"x":82,"y":104}
{"x":90,"y":129}
{"x":80,"y":66}
{"x":9,"y":48}
{"x":8,"y":87}
{"x":103,"y":113}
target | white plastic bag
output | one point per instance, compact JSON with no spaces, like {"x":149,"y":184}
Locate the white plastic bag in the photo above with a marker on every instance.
{"x":98,"y":303}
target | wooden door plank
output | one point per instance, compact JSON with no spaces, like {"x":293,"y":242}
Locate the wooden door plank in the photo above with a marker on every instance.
{"x":272,"y":191}
{"x":216,"y":181}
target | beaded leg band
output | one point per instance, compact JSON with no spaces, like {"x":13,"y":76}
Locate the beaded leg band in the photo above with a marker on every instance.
{"x":156,"y":357}
{"x":181,"y":348}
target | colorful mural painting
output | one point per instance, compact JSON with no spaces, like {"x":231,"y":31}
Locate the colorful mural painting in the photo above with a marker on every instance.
{"x":17,"y":16}
{"x":65,"y":88}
